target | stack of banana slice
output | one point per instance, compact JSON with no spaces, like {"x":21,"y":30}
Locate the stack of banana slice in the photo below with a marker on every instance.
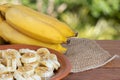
{"x":26,"y":64}
{"x":22,"y":25}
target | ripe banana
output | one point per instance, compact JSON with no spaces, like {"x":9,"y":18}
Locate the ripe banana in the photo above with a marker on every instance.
{"x":32,"y":26}
{"x":64,"y":29}
{"x":15,"y":37}
{"x":1,"y":19}
{"x":1,"y":40}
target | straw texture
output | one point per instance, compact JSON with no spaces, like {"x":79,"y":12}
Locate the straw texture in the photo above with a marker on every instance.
{"x":85,"y":54}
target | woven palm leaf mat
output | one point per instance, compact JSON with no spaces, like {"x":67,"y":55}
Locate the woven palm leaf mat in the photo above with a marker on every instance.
{"x":85,"y":54}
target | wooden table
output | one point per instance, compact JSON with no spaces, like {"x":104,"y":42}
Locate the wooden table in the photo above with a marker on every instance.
{"x":110,"y":71}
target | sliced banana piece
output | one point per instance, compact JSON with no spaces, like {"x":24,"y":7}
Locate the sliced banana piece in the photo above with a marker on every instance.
{"x":6,"y":77}
{"x":2,"y":53}
{"x":18,"y":76}
{"x":3,"y":69}
{"x":29,"y":58}
{"x":12,"y":54}
{"x":12,"y":67}
{"x":16,"y":54}
{"x":34,"y":64}
{"x":44,"y":72}
{"x":54,"y":60}
{"x":43,"y":53}
{"x":22,"y":51}
{"x":36,"y":77}
{"x":48,"y":64}
{"x":26,"y":71}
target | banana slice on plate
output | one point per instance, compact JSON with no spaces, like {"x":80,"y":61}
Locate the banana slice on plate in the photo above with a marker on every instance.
{"x":12,"y":65}
{"x":6,"y":77}
{"x":18,"y":76}
{"x":12,"y":54}
{"x":29,"y":58}
{"x":47,"y":63}
{"x":3,"y":69}
{"x":54,"y":60}
{"x":43,"y":53}
{"x":44,"y":72}
{"x":33,"y":64}
{"x":26,"y":71}
{"x":36,"y":77}
{"x":51,"y":62}
{"x":22,"y":51}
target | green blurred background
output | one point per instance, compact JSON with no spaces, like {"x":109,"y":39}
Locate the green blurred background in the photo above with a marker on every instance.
{"x":93,"y":19}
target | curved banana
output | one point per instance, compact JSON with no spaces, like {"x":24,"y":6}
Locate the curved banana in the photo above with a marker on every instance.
{"x":15,"y":37}
{"x":6,"y":76}
{"x":1,"y":17}
{"x":1,"y":40}
{"x":29,"y":58}
{"x":36,"y":28}
{"x":64,"y":29}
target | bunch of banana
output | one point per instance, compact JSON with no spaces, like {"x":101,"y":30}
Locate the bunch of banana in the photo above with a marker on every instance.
{"x":22,"y":25}
{"x":13,"y":36}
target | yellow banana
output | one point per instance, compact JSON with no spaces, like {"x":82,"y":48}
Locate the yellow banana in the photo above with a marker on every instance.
{"x":1,"y":18}
{"x":63,"y":28}
{"x":1,"y":40}
{"x":15,"y":37}
{"x":32,"y":26}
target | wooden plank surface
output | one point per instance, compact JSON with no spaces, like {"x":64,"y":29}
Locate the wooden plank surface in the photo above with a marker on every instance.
{"x":110,"y":71}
